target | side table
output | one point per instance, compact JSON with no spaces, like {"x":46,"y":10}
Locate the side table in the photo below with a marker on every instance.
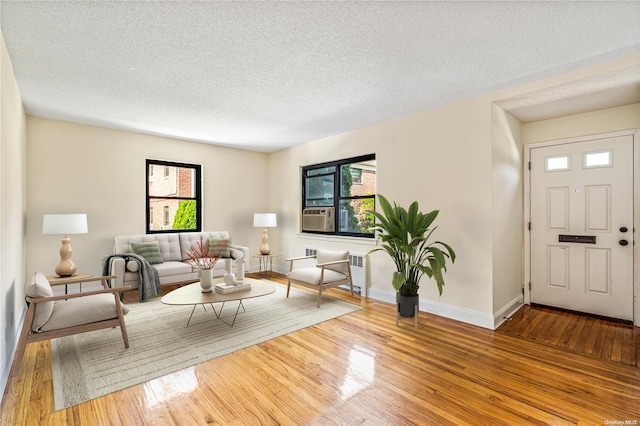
{"x":266,"y":262}
{"x":75,"y":279}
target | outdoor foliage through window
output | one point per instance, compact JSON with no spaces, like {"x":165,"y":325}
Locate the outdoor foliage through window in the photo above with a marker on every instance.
{"x":349,"y":186}
{"x":173,"y":197}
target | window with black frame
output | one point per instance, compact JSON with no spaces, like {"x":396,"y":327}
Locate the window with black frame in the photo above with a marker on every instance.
{"x":174,"y":201}
{"x":337,"y":197}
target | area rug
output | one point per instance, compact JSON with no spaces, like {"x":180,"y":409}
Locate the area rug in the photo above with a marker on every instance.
{"x":89,"y":365}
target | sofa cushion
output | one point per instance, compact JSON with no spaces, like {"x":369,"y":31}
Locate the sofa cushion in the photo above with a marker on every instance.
{"x":169,"y":244}
{"x":172,"y":268}
{"x":194,"y":245}
{"x":83,"y":310}
{"x":149,"y":250}
{"x":324,"y":256}
{"x":38,"y":286}
{"x":220,"y":247}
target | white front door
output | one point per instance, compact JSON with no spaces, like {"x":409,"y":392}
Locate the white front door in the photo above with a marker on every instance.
{"x":582,"y":226}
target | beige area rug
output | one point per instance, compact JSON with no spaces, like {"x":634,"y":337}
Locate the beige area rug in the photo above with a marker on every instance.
{"x":93,"y":364}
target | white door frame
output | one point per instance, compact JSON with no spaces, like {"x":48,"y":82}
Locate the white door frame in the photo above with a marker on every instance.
{"x":636,"y":209}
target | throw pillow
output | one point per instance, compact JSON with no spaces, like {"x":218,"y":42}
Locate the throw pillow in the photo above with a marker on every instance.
{"x":38,"y":286}
{"x":220,"y":247}
{"x":149,"y":250}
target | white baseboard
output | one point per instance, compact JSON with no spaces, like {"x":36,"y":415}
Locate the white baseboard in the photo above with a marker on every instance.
{"x":9,"y":362}
{"x":509,"y":309}
{"x":459,"y":314}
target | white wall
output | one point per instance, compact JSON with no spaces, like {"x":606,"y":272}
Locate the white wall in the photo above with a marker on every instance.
{"x":74,"y":168}
{"x":12,"y":212}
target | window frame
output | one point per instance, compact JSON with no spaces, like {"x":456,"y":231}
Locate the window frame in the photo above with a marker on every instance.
{"x":198,"y":194}
{"x":337,"y":192}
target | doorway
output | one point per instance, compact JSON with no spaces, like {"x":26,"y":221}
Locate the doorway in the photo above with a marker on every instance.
{"x":580,"y":225}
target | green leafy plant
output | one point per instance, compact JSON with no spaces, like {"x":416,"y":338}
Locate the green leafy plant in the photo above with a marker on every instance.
{"x":185,"y":217}
{"x":404,"y":235}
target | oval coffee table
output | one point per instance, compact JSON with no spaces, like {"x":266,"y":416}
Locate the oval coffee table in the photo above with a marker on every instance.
{"x":192,"y":295}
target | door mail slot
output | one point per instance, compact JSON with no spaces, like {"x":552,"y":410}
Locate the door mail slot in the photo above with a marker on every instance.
{"x":582,"y":239}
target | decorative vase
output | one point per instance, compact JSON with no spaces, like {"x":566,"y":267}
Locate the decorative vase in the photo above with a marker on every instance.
{"x":240,"y":269}
{"x":229,"y":277}
{"x":406,"y":305}
{"x":206,"y":280}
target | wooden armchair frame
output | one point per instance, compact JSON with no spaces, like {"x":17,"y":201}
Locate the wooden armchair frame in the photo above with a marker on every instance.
{"x":322,"y":285}
{"x":28,"y":335}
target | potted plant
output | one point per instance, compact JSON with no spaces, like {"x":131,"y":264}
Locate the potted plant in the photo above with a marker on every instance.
{"x":201,"y":258}
{"x":404,"y":235}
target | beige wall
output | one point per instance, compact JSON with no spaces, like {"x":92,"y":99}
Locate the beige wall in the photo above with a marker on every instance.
{"x":442,"y":159}
{"x":507,"y":217}
{"x":589,"y":123}
{"x":464,"y":159}
{"x":12,"y":211}
{"x":84,"y":169}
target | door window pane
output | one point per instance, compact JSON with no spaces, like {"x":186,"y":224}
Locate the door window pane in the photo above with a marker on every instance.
{"x":597,"y":159}
{"x":556,"y":163}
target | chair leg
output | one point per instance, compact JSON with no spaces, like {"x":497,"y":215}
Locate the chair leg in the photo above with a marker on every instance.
{"x":351,"y":284}
{"x":319,"y":296}
{"x":123,"y":329}
{"x":288,"y":286}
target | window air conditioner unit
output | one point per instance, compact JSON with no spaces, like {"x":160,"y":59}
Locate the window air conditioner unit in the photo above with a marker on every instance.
{"x":319,"y":219}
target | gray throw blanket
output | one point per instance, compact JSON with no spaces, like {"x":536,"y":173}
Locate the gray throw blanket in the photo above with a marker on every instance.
{"x":149,"y":286}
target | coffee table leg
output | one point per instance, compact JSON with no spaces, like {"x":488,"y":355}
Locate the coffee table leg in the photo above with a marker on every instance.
{"x":240,"y":305}
{"x":194,"y":309}
{"x":216,"y":312}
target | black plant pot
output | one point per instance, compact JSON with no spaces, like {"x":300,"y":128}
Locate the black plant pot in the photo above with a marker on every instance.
{"x":406,"y":305}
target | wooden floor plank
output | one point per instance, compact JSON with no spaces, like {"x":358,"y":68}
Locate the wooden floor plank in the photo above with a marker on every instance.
{"x":363,"y":369}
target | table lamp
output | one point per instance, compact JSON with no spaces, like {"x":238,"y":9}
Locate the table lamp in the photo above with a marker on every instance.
{"x":65,"y":224}
{"x":265,"y":220}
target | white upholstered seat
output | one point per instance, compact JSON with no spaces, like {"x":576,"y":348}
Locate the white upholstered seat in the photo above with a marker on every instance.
{"x":331,"y":270}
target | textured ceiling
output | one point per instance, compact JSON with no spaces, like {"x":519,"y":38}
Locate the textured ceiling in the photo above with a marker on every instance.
{"x":269,"y":75}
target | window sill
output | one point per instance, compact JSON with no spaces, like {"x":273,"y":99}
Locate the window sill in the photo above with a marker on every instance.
{"x":351,"y":240}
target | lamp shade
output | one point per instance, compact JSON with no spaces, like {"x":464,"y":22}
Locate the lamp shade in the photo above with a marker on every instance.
{"x":65,"y":224}
{"x":265,"y":220}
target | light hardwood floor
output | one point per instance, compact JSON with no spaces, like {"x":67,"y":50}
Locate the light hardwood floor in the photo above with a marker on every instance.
{"x":357,"y":369}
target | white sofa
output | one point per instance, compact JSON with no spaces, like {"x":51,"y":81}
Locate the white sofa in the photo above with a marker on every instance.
{"x":176,"y":267}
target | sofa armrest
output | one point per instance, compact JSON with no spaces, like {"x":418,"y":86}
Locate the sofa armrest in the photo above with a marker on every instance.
{"x":117,"y":266}
{"x":244,"y":250}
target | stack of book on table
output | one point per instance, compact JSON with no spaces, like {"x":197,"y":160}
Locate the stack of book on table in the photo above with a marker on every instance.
{"x":234,"y":288}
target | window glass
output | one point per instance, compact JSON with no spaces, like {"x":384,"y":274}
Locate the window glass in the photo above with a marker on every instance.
{"x":319,"y":191}
{"x":557,"y":163}
{"x":597,"y":159}
{"x":354,"y":179}
{"x":173,"y":197}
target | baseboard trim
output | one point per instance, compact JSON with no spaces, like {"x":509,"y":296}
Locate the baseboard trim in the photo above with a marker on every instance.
{"x":459,"y":314}
{"x":505,"y":313}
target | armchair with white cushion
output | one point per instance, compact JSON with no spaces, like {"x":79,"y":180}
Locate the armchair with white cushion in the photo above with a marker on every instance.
{"x":50,"y":316}
{"x":332,"y":269}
